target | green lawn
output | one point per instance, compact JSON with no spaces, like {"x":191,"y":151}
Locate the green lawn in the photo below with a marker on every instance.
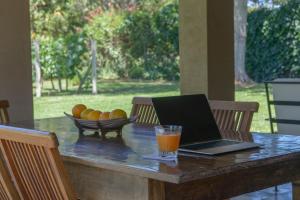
{"x":118,"y":94}
{"x":111,"y":95}
{"x":256,"y":93}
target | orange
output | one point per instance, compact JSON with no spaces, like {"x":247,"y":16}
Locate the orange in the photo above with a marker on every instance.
{"x":117,"y":113}
{"x":168,"y":143}
{"x":104,"y":116}
{"x":77,"y":110}
{"x":94,"y":115}
{"x":85,"y":113}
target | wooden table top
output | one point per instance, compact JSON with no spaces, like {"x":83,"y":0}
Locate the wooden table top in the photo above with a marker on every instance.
{"x":124,"y":154}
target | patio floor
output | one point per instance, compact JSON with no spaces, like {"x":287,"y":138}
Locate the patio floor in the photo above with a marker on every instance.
{"x":284,"y":193}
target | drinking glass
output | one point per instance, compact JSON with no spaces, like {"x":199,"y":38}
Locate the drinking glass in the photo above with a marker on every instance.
{"x":168,"y":139}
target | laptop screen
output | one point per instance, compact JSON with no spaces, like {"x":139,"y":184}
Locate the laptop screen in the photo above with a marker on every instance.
{"x":192,"y":112}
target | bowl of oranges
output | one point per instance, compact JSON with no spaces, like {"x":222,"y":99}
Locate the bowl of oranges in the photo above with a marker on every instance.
{"x":98,"y":121}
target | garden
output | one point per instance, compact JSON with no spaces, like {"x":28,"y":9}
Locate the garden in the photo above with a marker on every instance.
{"x":104,"y":52}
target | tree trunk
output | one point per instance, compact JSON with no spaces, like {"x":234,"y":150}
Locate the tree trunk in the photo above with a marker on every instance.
{"x":94,"y":66}
{"x":82,"y":80}
{"x":37,"y":65}
{"x":240,"y":36}
{"x":52,"y":83}
{"x":67,"y":84}
{"x":59,"y":84}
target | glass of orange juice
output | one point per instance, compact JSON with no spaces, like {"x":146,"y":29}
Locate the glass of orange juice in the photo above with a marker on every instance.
{"x":168,"y":139}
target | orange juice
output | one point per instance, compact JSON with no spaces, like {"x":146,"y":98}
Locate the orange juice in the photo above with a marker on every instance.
{"x":168,"y":142}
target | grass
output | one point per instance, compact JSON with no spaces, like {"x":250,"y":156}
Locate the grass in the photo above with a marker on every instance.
{"x":256,"y":93}
{"x":118,"y":94}
{"x":111,"y":95}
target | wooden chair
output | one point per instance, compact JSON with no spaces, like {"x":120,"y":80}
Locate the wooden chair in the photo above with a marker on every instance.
{"x":34,"y":162}
{"x":4,"y":118}
{"x":143,"y":107}
{"x":234,"y":118}
{"x":8,"y":190}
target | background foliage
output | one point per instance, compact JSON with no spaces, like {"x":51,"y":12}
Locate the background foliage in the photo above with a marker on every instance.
{"x":273,"y":42}
{"x":135,"y":39}
{"x":138,"y":39}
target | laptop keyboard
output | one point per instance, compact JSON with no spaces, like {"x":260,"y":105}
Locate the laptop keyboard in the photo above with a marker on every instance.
{"x":210,"y":144}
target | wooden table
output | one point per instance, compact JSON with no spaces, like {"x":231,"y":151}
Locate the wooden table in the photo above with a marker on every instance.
{"x":112,"y":168}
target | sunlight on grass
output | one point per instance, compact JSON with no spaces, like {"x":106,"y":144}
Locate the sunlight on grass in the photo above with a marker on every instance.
{"x":111,"y":95}
{"x":119,"y":94}
{"x":256,"y":93}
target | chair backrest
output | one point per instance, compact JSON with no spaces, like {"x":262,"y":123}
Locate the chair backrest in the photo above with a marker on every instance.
{"x":34,"y":162}
{"x":8,"y":190}
{"x":4,"y":118}
{"x":234,"y":118}
{"x":283,"y":100}
{"x":143,"y":108}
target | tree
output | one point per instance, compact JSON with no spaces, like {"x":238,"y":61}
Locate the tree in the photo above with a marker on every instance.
{"x":240,"y":33}
{"x":57,"y":26}
{"x":94,"y":66}
{"x":149,"y":39}
{"x":273,"y":42}
{"x":240,"y":36}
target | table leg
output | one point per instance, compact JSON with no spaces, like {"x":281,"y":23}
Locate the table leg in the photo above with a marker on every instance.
{"x":296,"y":190}
{"x":156,"y":190}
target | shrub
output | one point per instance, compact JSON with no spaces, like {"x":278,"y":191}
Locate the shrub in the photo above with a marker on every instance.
{"x":150,"y":42}
{"x":273,"y":42}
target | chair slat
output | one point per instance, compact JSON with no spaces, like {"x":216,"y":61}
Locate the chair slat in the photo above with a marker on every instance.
{"x":230,"y":120}
{"x":141,"y":114}
{"x":20,"y":176}
{"x":8,"y":190}
{"x":33,"y":160}
{"x":223,"y":119}
{"x":218,"y":116}
{"x":147,"y":114}
{"x":43,"y":166}
{"x":234,"y":118}
{"x":153,"y":116}
{"x":26,"y":170}
{"x":143,"y":107}
{"x":48,"y":173}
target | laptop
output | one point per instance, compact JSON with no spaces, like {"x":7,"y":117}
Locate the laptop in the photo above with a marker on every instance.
{"x":200,"y":133}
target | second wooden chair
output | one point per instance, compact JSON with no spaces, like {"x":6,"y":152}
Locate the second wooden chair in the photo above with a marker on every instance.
{"x":233,"y":118}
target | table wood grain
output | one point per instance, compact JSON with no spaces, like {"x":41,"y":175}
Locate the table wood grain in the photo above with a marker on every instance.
{"x":97,"y":163}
